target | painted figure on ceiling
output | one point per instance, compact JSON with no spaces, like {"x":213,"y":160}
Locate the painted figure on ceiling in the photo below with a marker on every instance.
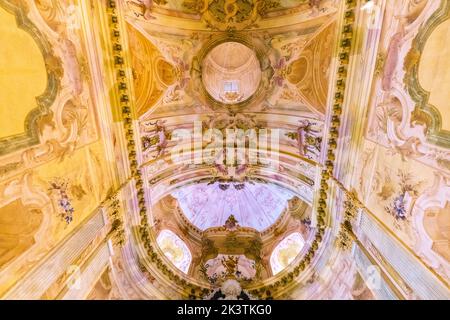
{"x":304,"y":134}
{"x":280,"y":72}
{"x":159,"y":139}
{"x":230,"y":263}
{"x":72,"y":65}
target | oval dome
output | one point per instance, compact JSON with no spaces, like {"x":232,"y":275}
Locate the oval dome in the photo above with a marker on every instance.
{"x":231,"y":73}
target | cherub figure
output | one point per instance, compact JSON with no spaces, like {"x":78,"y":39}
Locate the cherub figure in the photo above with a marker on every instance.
{"x":161,"y":138}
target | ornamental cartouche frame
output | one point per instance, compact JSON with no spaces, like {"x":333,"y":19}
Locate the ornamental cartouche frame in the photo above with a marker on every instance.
{"x":435,"y":133}
{"x":233,"y":15}
{"x":30,"y":136}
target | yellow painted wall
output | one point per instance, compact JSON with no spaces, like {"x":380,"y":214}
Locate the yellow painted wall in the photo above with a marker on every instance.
{"x":86,"y":173}
{"x":23,"y":75}
{"x":434,"y":75}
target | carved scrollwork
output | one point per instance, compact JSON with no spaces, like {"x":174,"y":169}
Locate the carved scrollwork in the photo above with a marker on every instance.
{"x":425,"y":112}
{"x":345,"y":236}
{"x":30,"y":136}
{"x":227,"y":15}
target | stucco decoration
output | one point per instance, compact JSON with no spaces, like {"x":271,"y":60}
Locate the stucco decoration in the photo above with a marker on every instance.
{"x":47,"y":84}
{"x":22,"y":219}
{"x":25,"y":225}
{"x":410,"y":199}
{"x":309,"y":70}
{"x":427,"y":77}
{"x":230,"y":15}
{"x":431,"y":214}
{"x":152,"y":74}
{"x":248,"y":63}
{"x":215,"y":269}
{"x":401,"y":117}
{"x":66,"y":117}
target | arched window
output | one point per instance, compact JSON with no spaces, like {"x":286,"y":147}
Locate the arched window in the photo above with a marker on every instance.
{"x":286,"y":251}
{"x":175,"y":249}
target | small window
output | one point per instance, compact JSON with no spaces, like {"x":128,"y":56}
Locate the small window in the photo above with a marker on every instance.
{"x":231,"y":86}
{"x":286,"y":251}
{"x":175,"y":250}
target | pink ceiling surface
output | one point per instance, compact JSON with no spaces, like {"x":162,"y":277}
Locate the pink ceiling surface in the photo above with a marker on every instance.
{"x":256,"y":205}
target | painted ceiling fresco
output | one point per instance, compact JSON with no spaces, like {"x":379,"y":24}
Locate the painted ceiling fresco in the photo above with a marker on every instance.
{"x":116,"y":165}
{"x":253,"y":205}
{"x":193,"y":6}
{"x":225,"y":15}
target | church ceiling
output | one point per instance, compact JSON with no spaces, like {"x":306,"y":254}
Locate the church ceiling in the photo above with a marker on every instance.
{"x":115,"y":135}
{"x":294,"y":68}
{"x":244,"y":77}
